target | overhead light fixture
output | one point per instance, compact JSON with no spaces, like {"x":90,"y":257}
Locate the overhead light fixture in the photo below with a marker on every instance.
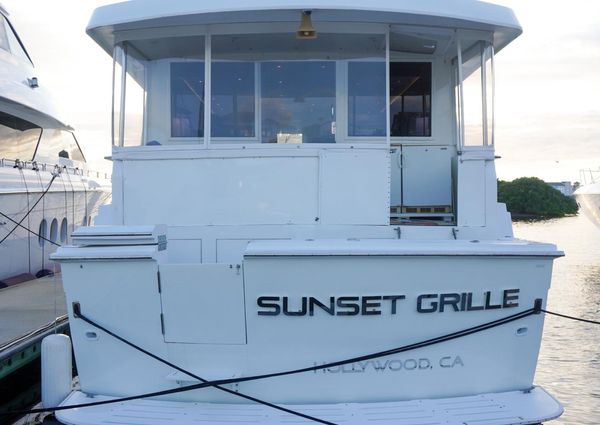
{"x":306,"y":30}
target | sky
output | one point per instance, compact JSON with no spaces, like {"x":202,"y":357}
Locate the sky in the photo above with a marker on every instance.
{"x":547,"y":82}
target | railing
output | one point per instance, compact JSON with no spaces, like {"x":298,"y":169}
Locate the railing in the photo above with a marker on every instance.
{"x":41,"y":166}
{"x":589,"y":176}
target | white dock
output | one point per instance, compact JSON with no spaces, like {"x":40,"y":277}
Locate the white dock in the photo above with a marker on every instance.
{"x":28,"y":312}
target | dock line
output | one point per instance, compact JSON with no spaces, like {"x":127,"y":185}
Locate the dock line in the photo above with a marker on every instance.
{"x":536,"y":309}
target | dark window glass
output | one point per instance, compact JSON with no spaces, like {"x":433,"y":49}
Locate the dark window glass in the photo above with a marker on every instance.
{"x":232,"y":94}
{"x":18,"y":138}
{"x":187,"y":99}
{"x":298,"y":102}
{"x":42,"y":233}
{"x":366,"y":99}
{"x":58,"y":144}
{"x":410,"y":99}
{"x":54,"y":230}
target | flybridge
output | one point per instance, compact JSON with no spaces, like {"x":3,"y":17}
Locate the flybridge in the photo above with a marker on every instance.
{"x":376,"y":305}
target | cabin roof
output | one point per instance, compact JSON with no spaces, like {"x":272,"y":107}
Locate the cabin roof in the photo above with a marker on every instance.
{"x":463,"y":14}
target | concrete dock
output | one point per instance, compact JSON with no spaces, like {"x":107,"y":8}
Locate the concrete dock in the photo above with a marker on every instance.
{"x":28,"y":312}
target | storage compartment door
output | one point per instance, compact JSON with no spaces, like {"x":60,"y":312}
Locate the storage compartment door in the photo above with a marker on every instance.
{"x":203,"y":303}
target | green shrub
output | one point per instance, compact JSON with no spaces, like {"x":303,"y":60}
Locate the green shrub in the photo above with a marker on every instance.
{"x":530,"y":196}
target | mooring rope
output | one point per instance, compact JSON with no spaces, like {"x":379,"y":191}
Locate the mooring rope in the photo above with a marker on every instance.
{"x":28,"y":229}
{"x":217,"y":383}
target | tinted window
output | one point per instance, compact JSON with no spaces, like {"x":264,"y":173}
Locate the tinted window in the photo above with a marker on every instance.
{"x":366,"y":99}
{"x":298,"y":102}
{"x":56,"y":144}
{"x":232,"y":94}
{"x":18,"y":138}
{"x":410,"y":99}
{"x":187,"y":99}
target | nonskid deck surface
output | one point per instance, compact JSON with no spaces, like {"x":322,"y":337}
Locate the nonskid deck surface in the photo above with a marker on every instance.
{"x":515,"y":407}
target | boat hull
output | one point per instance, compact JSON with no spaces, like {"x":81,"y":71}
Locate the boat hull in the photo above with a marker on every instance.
{"x":71,"y":201}
{"x":274,"y":313}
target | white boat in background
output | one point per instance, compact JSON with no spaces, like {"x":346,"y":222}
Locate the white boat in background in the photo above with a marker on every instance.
{"x":305,"y":186}
{"x":588,"y":194}
{"x":35,"y":144}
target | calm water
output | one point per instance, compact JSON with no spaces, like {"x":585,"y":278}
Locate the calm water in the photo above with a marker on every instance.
{"x":569,"y":363}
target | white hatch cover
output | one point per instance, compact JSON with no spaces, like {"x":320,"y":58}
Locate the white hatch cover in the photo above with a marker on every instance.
{"x":121,"y":235}
{"x":509,"y":408}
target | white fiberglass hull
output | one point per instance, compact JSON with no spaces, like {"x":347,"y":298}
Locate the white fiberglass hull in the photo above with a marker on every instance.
{"x":293,"y":304}
{"x":588,"y":198}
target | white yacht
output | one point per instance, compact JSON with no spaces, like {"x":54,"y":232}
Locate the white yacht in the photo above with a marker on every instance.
{"x":35,"y":144}
{"x":304,"y":224}
{"x":588,"y":194}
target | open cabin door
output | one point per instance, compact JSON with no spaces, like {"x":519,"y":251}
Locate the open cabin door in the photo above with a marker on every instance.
{"x":421,"y":182}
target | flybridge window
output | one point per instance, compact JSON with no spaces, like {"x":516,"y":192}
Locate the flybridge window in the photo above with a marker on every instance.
{"x":298,"y":102}
{"x":56,"y":144}
{"x":252,"y":88}
{"x":187,"y":99}
{"x":158,"y":90}
{"x":233,"y":101}
{"x":410,"y":99}
{"x":366,"y":99}
{"x":275,"y":88}
{"x":475,"y":94}
{"x":18,"y":138}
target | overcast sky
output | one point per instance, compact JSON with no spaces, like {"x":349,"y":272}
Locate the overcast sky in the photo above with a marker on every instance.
{"x":548,"y":81}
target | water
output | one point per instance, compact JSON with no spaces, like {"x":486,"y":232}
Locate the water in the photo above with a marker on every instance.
{"x":569,"y":362}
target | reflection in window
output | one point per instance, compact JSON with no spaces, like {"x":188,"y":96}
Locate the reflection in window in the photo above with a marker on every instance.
{"x":118,"y":60}
{"x":472,"y":96}
{"x":135,"y":98}
{"x":232,"y":97}
{"x":366,"y":99}
{"x":187,"y":99}
{"x":298,"y":102}
{"x":18,"y":137}
{"x":3,"y":36}
{"x":410,"y":99}
{"x":56,"y":144}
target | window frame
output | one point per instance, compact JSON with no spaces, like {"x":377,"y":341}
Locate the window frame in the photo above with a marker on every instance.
{"x":416,"y":58}
{"x":207,"y":141}
{"x":341,"y":136}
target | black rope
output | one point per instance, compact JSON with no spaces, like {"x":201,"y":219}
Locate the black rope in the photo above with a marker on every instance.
{"x":29,"y":230}
{"x":578,"y":319}
{"x":54,"y":175}
{"x":216,"y":383}
{"x":204,"y":384}
{"x":77,"y":314}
